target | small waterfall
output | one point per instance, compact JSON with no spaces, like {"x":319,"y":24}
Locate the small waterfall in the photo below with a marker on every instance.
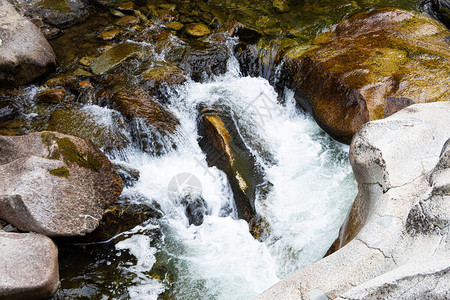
{"x":312,"y":188}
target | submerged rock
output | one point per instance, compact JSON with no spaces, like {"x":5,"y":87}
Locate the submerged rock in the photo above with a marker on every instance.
{"x":81,"y":123}
{"x":55,"y":184}
{"x":138,"y":103}
{"x":205,"y":60}
{"x":60,"y":13}
{"x":25,"y":54}
{"x":371,"y":66}
{"x":113,"y":57}
{"x":195,"y":208}
{"x":29,"y":266}
{"x":396,"y":236}
{"x":225,"y":149}
{"x":119,"y":218}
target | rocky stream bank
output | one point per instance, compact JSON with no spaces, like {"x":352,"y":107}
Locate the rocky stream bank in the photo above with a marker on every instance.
{"x":372,"y":74}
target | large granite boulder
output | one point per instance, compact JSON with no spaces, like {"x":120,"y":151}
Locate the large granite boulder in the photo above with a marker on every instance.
{"x":55,"y":184}
{"x":370,"y":66}
{"x":25,"y":54}
{"x":28,"y":266}
{"x":396,"y":239}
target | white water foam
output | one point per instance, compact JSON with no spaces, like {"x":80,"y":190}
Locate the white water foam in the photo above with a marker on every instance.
{"x":312,"y":190}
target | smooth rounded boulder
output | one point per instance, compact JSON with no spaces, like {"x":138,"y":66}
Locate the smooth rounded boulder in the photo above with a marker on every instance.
{"x":55,"y":184}
{"x":28,"y":266}
{"x":370,"y":66}
{"x":25,"y":54}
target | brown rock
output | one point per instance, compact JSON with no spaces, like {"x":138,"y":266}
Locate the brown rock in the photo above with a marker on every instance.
{"x":85,"y":84}
{"x":163,"y":74}
{"x":29,"y":266}
{"x":370,"y":66}
{"x":109,"y":35}
{"x":175,"y":25}
{"x":55,"y":184}
{"x":127,"y":21}
{"x":138,"y":103}
{"x":113,"y":57}
{"x":141,"y":16}
{"x":197,"y":29}
{"x":51,"y":95}
{"x":224,"y":148}
{"x":126,"y":6}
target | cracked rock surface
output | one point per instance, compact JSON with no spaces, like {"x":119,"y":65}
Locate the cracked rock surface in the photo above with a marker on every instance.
{"x":395,"y":242}
{"x":55,"y":184}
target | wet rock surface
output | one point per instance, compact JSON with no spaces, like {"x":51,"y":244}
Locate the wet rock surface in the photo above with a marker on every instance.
{"x":396,"y":237}
{"x":61,"y":13}
{"x":441,"y":8}
{"x":25,"y":54}
{"x":371,"y":66}
{"x":55,"y":184}
{"x":128,"y":57}
{"x":225,"y":149}
{"x":29,"y":266}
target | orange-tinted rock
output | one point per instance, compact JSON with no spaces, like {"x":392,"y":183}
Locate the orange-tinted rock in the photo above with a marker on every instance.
{"x":197,"y":29}
{"x":138,"y":103}
{"x":369,"y":67}
{"x":51,"y":95}
{"x":109,"y":35}
{"x":225,"y":149}
{"x":127,"y":21}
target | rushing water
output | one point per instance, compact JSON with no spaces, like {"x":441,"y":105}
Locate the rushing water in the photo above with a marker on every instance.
{"x":313,"y":188}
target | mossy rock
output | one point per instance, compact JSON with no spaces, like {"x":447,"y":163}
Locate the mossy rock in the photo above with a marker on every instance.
{"x":369,"y":67}
{"x":137,"y":103}
{"x":197,"y":29}
{"x":163,"y":75}
{"x":81,"y":123}
{"x":61,"y":13}
{"x":113,"y":57}
{"x":225,"y":149}
{"x":67,"y":175}
{"x":127,"y":21}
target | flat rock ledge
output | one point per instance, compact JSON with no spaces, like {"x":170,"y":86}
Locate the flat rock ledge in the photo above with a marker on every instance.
{"x":396,"y":241}
{"x":28,"y":266}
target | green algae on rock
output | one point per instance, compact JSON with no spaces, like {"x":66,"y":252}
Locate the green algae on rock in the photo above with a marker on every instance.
{"x":69,"y":152}
{"x":197,"y":29}
{"x":60,"y":172}
{"x":371,"y":66}
{"x":29,"y":171}
{"x":113,"y":57}
{"x":60,"y":13}
{"x":81,"y":123}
